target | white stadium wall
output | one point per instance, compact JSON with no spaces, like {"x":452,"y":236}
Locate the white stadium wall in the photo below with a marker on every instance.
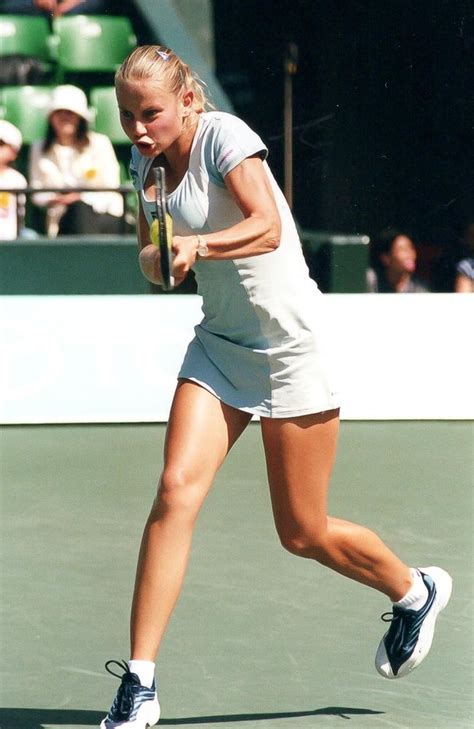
{"x":102,"y":359}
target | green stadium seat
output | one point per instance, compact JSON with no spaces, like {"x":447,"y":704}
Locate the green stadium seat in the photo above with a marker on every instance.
{"x":26,"y":107}
{"x":95,"y":43}
{"x":26,"y":35}
{"x":107,"y":118}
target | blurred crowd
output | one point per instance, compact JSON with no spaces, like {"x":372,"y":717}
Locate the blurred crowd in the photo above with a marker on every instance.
{"x":75,"y":170}
{"x":71,"y":160}
{"x":70,"y":156}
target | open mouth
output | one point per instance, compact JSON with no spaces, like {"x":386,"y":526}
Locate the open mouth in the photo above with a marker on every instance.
{"x":143,"y":146}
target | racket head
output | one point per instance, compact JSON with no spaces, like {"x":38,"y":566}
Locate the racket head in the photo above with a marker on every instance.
{"x":165,"y":238}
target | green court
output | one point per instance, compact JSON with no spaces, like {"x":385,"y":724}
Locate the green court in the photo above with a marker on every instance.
{"x":259,"y":638}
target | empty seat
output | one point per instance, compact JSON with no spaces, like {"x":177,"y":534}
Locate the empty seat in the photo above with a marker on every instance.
{"x":95,"y":43}
{"x":107,"y":118}
{"x":27,"y":108}
{"x":25,"y":35}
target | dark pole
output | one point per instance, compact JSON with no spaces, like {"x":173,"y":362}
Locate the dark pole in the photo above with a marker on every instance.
{"x":290,"y":68}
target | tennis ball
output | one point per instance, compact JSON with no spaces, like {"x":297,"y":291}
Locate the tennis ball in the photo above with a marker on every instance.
{"x":154,"y":232}
{"x":155,"y":228}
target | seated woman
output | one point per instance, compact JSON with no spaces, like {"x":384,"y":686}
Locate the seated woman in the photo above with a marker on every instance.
{"x":73,"y":156}
{"x":393,"y":265}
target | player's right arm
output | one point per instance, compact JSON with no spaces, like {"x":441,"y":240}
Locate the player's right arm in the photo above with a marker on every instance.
{"x":149,"y":254}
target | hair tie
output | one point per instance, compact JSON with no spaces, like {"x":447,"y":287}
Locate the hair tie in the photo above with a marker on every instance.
{"x":164,"y":56}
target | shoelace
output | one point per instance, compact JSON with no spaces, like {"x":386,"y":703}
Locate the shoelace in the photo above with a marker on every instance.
{"x":404,"y":628}
{"x":123,"y":703}
{"x":396,"y":618}
{"x":397,"y":614}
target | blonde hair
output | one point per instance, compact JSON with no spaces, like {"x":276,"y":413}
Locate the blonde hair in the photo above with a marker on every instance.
{"x":168,"y":70}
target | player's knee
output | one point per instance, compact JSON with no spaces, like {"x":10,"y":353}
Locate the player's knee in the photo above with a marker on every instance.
{"x":178,"y":493}
{"x":306,"y":543}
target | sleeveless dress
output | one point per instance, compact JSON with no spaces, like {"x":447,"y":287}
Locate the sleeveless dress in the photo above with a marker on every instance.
{"x":260,"y":345}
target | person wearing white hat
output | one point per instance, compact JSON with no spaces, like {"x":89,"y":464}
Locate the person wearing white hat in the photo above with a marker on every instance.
{"x":69,"y":98}
{"x":11,"y":204}
{"x":72,"y":156}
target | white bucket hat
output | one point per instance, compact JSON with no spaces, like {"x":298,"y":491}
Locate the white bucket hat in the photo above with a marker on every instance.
{"x":10,"y":134}
{"x":71,"y":98}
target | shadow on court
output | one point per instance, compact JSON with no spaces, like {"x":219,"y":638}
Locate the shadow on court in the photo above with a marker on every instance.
{"x":36,"y":718}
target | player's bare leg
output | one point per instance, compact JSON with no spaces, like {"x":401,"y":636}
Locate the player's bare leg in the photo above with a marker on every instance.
{"x":201,"y":431}
{"x":300,"y":453}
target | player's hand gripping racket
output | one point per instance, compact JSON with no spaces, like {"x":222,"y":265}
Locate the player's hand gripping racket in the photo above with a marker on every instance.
{"x":162,"y":229}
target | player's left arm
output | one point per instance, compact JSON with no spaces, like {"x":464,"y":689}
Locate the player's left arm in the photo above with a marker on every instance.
{"x":258,"y":232}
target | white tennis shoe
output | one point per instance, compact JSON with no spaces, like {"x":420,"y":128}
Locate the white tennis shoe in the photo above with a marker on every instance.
{"x":135,"y":706}
{"x":408,"y":640}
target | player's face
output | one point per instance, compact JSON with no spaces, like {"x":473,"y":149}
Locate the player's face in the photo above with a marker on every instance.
{"x":153,"y":119}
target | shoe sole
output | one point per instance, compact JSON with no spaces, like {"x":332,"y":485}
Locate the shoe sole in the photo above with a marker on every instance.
{"x":152,"y":718}
{"x":133,"y":725}
{"x":444,"y":586}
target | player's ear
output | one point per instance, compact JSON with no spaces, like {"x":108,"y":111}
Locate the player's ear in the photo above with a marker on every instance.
{"x":188,"y":99}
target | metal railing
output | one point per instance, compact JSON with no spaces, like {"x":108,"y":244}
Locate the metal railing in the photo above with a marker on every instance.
{"x":28,"y":192}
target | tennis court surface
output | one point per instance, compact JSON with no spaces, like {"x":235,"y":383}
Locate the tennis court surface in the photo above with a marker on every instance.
{"x":259,"y":638}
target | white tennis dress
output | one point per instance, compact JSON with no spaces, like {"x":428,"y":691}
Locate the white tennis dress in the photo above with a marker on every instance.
{"x":259,"y":346}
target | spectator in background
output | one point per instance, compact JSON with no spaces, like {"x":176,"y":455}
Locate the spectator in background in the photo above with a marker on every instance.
{"x":464,"y":281}
{"x":73,"y":156}
{"x":10,"y":145}
{"x":55,"y":7}
{"x":61,"y":7}
{"x":393,"y":265}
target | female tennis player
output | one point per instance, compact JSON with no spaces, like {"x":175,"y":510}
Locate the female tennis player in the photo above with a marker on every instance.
{"x":259,"y":350}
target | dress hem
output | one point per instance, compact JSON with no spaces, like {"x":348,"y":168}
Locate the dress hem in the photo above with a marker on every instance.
{"x":265,"y":412}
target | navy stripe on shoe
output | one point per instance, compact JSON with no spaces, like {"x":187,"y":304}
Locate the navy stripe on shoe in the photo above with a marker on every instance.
{"x":402,"y":636}
{"x":131,"y":695}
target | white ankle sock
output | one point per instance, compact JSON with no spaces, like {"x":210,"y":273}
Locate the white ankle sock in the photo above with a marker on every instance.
{"x":145,"y":671}
{"x":417,"y":595}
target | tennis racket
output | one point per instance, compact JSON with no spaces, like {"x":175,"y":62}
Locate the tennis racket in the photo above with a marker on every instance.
{"x":162,"y":229}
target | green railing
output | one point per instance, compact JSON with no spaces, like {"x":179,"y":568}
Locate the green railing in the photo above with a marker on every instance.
{"x":109,"y":265}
